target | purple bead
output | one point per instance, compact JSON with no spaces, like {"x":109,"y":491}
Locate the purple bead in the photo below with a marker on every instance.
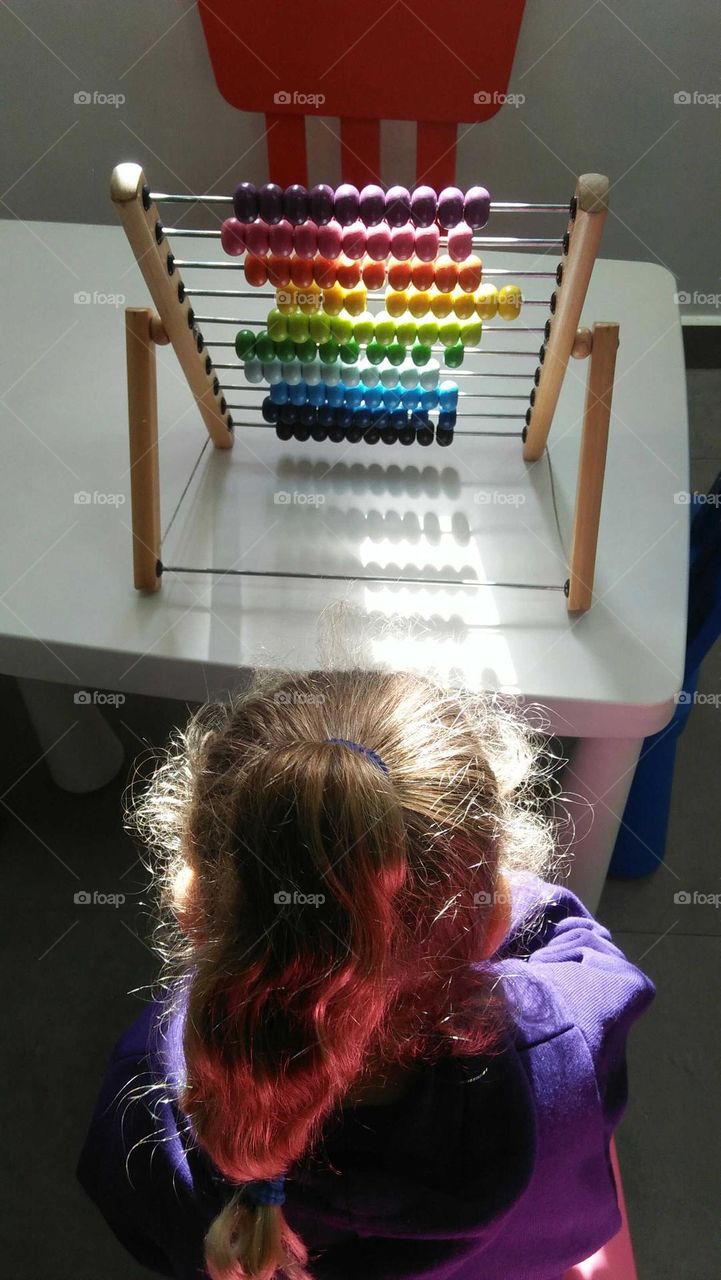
{"x":423,"y":206}
{"x":372,"y":205}
{"x":347,"y":202}
{"x":270,"y":203}
{"x":476,"y":207}
{"x":245,"y":202}
{"x":321,"y":201}
{"x":450,"y":207}
{"x":398,"y":206}
{"x":295,"y":204}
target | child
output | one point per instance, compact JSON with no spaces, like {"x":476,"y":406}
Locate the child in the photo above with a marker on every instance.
{"x":385,"y":1049}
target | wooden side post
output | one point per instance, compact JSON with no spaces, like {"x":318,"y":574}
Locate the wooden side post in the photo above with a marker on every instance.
{"x":584,"y":237}
{"x":591,"y":466}
{"x":143,"y":428}
{"x":143,"y":228}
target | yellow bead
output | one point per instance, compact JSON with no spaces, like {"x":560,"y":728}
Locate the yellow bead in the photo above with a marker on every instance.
{"x":419,"y":303}
{"x":486,"y":301}
{"x":333,"y":300}
{"x":510,"y":300}
{"x":396,"y":302}
{"x":356,"y":300}
{"x":441,"y":304}
{"x":285,"y":300}
{"x":309,"y":299}
{"x":464,"y":304}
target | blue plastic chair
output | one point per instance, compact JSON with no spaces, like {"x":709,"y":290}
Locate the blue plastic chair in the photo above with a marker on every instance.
{"x":641,"y":842}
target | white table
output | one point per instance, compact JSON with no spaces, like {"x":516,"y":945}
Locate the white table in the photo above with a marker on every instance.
{"x":69,"y":614}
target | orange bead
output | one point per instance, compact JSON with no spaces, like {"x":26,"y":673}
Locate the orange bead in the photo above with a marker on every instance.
{"x":349,"y":272}
{"x":256,"y":271}
{"x":399,"y":275}
{"x":374,"y":273}
{"x":422,"y":273}
{"x":325,"y":272}
{"x":333,"y":300}
{"x":278,"y":270}
{"x":446,"y":273}
{"x":470,"y":273}
{"x":301,"y":271}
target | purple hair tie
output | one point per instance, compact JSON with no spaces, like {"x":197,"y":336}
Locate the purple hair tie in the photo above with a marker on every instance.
{"x":362,"y":751}
{"x":266,"y":1191}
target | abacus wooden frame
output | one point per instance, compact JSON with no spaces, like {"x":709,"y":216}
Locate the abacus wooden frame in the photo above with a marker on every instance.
{"x":174,"y":323}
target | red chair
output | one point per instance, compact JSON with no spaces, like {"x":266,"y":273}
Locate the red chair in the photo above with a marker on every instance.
{"x":615,"y":1260}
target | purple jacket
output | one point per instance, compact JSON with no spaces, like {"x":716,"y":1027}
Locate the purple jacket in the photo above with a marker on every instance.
{"x":486,"y":1169}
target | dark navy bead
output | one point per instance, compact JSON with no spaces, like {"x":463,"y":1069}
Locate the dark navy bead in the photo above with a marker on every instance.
{"x":269,"y":410}
{"x":447,"y":420}
{"x":289,"y":414}
{"x":399,"y":419}
{"x":326,"y":416}
{"x":344,"y":418}
{"x":308,"y":415}
{"x":362,"y":418}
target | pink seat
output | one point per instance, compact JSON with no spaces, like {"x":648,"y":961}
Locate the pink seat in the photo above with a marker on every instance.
{"x":615,"y":1260}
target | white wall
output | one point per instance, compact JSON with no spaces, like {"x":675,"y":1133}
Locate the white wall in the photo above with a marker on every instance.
{"x":599,"y":83}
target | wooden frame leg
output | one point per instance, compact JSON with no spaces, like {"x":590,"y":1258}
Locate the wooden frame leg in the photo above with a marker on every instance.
{"x":143,"y":435}
{"x":591,"y":466}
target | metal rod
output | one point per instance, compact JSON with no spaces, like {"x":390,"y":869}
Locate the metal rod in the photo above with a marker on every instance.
{"x":497,"y":206}
{"x":457,"y":373}
{"x":521,"y":242}
{"x":362,"y":577}
{"x":223,"y":265}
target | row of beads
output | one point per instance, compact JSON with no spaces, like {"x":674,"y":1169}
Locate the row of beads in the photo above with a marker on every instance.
{"x":355,"y":241}
{"x":348,"y":352}
{"x":444,"y":397}
{"x":306,"y":273}
{"x":486,"y":302}
{"x":351,"y":426}
{"x":314,"y":373}
{"x":372,"y":205}
{"x":382,"y":327}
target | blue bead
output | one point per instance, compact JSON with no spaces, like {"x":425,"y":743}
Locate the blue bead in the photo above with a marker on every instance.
{"x":344,"y":418}
{"x":334,"y":396}
{"x":354,"y":397}
{"x":298,"y":393}
{"x":326,"y":416}
{"x":428,"y":399}
{"x":448,"y":395}
{"x":362,"y":418}
{"x":391,"y":397}
{"x":409,"y":398}
{"x":308,"y":415}
{"x":288,"y":414}
{"x":446,"y":421}
{"x":279,"y":393}
{"x":269,"y":410}
{"x":373,"y":398}
{"x":316,"y":394}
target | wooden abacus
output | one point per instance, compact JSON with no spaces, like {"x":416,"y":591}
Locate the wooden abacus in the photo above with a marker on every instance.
{"x":247,"y":236}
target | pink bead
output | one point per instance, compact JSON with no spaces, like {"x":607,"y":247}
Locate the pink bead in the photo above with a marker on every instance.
{"x":427,"y":241}
{"x":280,"y":238}
{"x":232,"y":236}
{"x":256,"y":238}
{"x":403,"y":241}
{"x":305,"y":240}
{"x":330,"y":239}
{"x":378,"y":244}
{"x":460,"y":242}
{"x":354,"y":240}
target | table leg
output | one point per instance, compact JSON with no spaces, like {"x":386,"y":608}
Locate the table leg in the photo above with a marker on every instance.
{"x":79,"y":747}
{"x":596,"y":784}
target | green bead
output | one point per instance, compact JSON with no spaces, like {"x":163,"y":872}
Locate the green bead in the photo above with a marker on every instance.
{"x":428,"y":332}
{"x":363,"y":328}
{"x":396,"y":353}
{"x":420,"y":353}
{"x":306,"y":351}
{"x":406,"y":332}
{"x":329,"y":351}
{"x":350,"y":352}
{"x":376,"y":352}
{"x":264,"y":347}
{"x":341,"y":328}
{"x":449,"y":332}
{"x":244,"y":344}
{"x":471,"y":331}
{"x":385,"y":328}
{"x":454,"y":355}
{"x":285,"y":350}
{"x":298,"y":327}
{"x":319,"y":326}
{"x":277,"y":325}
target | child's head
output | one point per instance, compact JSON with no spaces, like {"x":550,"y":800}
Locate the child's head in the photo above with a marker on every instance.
{"x":335,"y":906}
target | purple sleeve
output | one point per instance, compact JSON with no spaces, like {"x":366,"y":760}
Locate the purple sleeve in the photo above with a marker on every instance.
{"x":586,"y":980}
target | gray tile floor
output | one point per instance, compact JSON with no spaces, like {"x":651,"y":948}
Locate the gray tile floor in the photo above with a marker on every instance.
{"x":68,"y":969}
